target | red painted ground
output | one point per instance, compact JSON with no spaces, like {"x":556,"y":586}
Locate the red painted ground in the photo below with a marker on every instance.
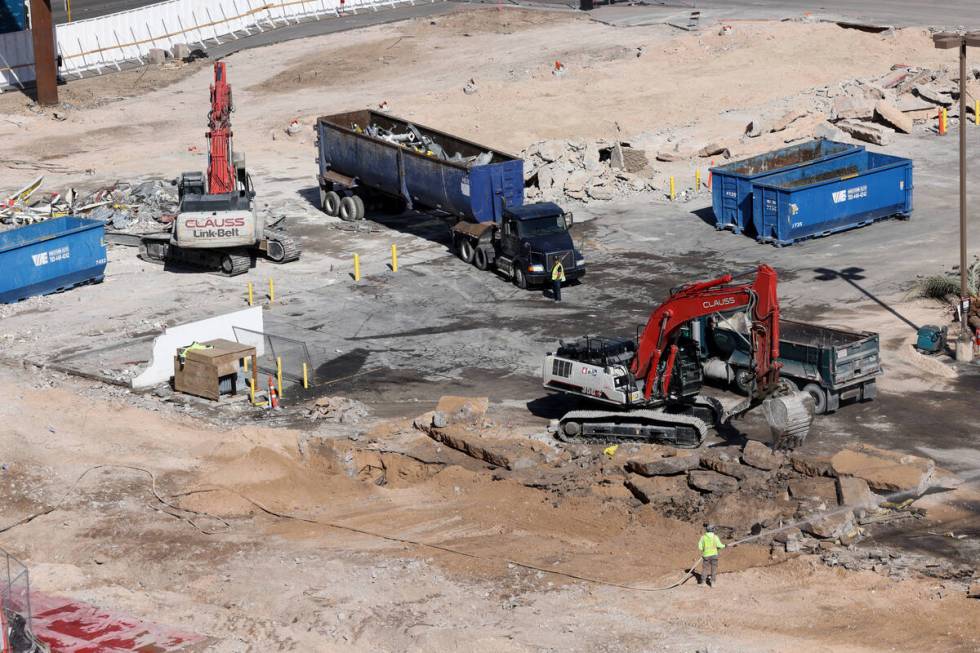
{"x":69,"y":626}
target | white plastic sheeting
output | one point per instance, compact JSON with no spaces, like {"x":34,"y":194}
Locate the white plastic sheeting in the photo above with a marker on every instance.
{"x":108,"y":41}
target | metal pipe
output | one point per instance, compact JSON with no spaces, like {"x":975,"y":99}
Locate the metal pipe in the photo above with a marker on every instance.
{"x":964,"y":289}
{"x":45,"y":68}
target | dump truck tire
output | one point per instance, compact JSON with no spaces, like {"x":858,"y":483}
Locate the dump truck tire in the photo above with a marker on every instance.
{"x":480,"y":259}
{"x":519,"y":279}
{"x":348,"y":209}
{"x":819,"y":397}
{"x":360,"y":209}
{"x":464,"y":249}
{"x":330,"y":203}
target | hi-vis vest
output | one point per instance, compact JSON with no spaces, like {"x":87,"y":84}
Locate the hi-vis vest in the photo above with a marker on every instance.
{"x":558,"y":272}
{"x":709,"y":544}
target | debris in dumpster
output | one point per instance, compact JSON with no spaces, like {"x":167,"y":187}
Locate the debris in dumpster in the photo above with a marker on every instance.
{"x":415,"y":140}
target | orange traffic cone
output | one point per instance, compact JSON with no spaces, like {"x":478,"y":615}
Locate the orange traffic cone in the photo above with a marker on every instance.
{"x":273,"y":396}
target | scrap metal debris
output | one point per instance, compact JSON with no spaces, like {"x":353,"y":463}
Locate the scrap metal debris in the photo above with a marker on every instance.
{"x":415,"y":140}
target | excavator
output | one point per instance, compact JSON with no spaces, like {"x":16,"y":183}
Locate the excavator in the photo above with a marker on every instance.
{"x":651,"y":386}
{"x":217,"y":227}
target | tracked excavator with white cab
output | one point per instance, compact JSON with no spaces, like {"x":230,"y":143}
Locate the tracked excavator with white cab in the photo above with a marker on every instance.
{"x":649,"y":389}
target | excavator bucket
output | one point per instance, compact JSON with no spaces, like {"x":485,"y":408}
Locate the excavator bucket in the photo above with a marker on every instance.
{"x":789,"y":417}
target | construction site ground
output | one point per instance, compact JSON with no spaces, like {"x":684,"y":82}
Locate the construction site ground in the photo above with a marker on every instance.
{"x":288,"y":533}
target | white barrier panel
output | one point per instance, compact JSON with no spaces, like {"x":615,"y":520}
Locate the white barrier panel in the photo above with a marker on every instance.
{"x":108,"y":41}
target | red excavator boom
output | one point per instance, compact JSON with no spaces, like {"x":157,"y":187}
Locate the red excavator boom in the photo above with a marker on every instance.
{"x":707,"y":298}
{"x":221,"y":169}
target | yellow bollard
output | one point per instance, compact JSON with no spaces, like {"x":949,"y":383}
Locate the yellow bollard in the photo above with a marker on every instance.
{"x":279,"y":375}
{"x":394,"y":257}
{"x":697,"y":179}
{"x":245,"y":364}
{"x":306,"y":377}
{"x":250,"y":294}
{"x":672,"y":193}
{"x":272,"y":291}
{"x":976,"y":112}
{"x":251,"y":385}
{"x":357,"y":267}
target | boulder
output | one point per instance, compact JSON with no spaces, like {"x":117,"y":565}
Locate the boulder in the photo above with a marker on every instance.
{"x":664,"y":466}
{"x":855,"y":493}
{"x":156,"y":56}
{"x":713,"y":149}
{"x":849,"y":107}
{"x":892,"y":117}
{"x":463,"y":410}
{"x":822,"y":489}
{"x":868,"y":132}
{"x":757,"y":127}
{"x":932,"y":94}
{"x":760,"y":456}
{"x":708,"y":481}
{"x":811,"y":464}
{"x":789,"y":119}
{"x":885,"y":471}
{"x":662,"y":490}
{"x":831,"y":526}
{"x":741,"y":512}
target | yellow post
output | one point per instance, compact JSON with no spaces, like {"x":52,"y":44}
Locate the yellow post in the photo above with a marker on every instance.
{"x":306,"y":377}
{"x":672,"y":193}
{"x":251,"y":296}
{"x":245,"y":364}
{"x":357,"y":267}
{"x":976,"y":112}
{"x":68,"y":9}
{"x":394,"y":257}
{"x":251,"y":385}
{"x":272,"y":291}
{"x":697,"y":179}
{"x":279,"y":375}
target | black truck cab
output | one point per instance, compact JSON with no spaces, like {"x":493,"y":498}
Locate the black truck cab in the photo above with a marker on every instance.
{"x":531,"y":238}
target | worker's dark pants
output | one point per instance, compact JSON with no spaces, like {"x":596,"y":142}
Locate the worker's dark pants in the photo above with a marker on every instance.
{"x":709,"y":568}
{"x":556,"y":286}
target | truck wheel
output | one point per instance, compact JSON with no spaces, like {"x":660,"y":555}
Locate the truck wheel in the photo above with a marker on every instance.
{"x":330,"y":202}
{"x":348,"y":209}
{"x":819,"y":397}
{"x":480,"y":259}
{"x":465,"y":249}
{"x":359,"y":205}
{"x":743,"y":381}
{"x":519,"y":279}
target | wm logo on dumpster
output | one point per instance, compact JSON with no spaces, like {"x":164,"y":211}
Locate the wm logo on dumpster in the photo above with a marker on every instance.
{"x":840,"y":196}
{"x":40,"y":259}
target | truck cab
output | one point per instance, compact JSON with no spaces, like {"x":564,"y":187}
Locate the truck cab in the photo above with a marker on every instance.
{"x":531,"y":238}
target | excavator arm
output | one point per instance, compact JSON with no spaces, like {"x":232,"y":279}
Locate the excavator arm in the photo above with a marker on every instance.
{"x":221,"y":167}
{"x":659,"y":337}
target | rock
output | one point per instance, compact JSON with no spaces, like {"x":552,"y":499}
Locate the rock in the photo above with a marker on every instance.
{"x":933,"y":95}
{"x":908,"y":103}
{"x":811,"y":464}
{"x":789,"y":119}
{"x":617,"y":161}
{"x":181,"y":51}
{"x":758,"y":455}
{"x":664,"y":466}
{"x":787,"y":534}
{"x":974,"y":590}
{"x":591,"y":158}
{"x":551,"y":151}
{"x":156,"y":56}
{"x":823,"y":489}
{"x":439,"y":420}
{"x":713,"y":149}
{"x":864,"y":131}
{"x":463,"y":410}
{"x":576,"y":184}
{"x":708,"y":481}
{"x":831,"y":526}
{"x":293,"y":128}
{"x":741,"y":512}
{"x":855,"y":493}
{"x":892,"y":117}
{"x":757,"y":127}
{"x":662,"y":490}
{"x":847,"y":106}
{"x":678,"y":153}
{"x":470,"y":87}
{"x":885,"y":471}
{"x":729,"y":468}
{"x":600,"y":192}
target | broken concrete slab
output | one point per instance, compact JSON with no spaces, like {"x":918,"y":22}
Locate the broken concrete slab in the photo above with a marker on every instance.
{"x":709,"y":481}
{"x":760,"y":456}
{"x":788,"y":119}
{"x":855,"y":493}
{"x":741,"y":512}
{"x":850,"y":107}
{"x":885,"y":471}
{"x":488,"y":451}
{"x":758,"y":127}
{"x":161,"y":365}
{"x":892,"y":117}
{"x":829,"y":131}
{"x":831,"y":526}
{"x":934,"y":95}
{"x":664,"y":466}
{"x":812,"y":464}
{"x":973,"y":592}
{"x":677,"y":153}
{"x":713,"y":149}
{"x":822,"y":489}
{"x":181,"y":51}
{"x":156,"y":56}
{"x":463,"y":410}
{"x":730,"y":468}
{"x":870,"y":133}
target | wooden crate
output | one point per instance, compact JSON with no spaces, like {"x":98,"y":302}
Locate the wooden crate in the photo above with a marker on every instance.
{"x":201,"y":370}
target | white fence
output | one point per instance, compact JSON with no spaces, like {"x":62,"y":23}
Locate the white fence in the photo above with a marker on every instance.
{"x":108,"y":41}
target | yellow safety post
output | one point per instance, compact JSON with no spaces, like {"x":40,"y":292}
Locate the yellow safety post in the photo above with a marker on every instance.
{"x":697,"y":179}
{"x":394,"y":257}
{"x":245,"y":364}
{"x":272,"y":291}
{"x":976,"y":112}
{"x":279,"y":375}
{"x":251,"y":385}
{"x":251,"y":295}
{"x":672,"y":193}
{"x":357,"y":267}
{"x":306,"y":377}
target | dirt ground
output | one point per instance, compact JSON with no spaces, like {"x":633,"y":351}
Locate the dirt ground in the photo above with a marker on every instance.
{"x":282,"y":533}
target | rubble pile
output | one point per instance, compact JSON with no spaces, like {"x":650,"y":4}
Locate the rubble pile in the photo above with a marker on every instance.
{"x":140,"y":207}
{"x":561,"y":169}
{"x":338,"y":409}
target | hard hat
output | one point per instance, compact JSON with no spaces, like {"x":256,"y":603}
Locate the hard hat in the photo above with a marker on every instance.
{"x":710,"y":528}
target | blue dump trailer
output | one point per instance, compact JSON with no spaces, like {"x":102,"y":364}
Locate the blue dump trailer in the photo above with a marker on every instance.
{"x":731,"y":184}
{"x":369,"y":160}
{"x":831,"y":196}
{"x":50,"y":257}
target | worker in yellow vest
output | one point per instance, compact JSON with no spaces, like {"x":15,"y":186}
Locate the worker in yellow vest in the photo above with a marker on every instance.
{"x":557,"y":278}
{"x":709,"y":545}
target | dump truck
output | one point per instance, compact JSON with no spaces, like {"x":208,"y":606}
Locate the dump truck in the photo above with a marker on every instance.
{"x":369,"y":159}
{"x":832,"y":365}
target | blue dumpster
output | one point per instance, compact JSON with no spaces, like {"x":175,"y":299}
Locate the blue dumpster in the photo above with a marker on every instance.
{"x":831,"y":196}
{"x":731,"y":184}
{"x":50,"y":257}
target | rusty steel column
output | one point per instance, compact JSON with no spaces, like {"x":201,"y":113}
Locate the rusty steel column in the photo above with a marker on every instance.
{"x":45,"y":68}
{"x":964,"y":288}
